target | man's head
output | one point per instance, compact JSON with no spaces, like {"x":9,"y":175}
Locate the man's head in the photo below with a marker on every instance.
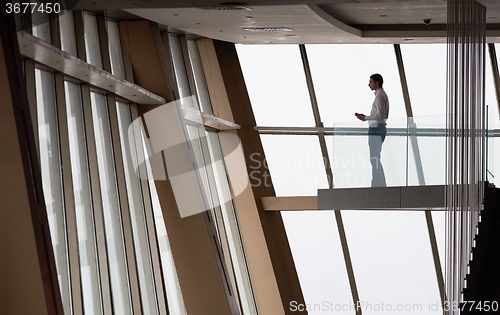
{"x":376,"y":81}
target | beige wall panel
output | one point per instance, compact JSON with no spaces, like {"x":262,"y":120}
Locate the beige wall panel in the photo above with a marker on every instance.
{"x":217,"y":90}
{"x":143,"y":46}
{"x":290,"y":203}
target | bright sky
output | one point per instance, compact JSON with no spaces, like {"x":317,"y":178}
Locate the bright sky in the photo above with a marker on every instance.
{"x":390,"y":251}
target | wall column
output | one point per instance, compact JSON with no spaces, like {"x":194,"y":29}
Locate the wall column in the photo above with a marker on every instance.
{"x":28,"y":279}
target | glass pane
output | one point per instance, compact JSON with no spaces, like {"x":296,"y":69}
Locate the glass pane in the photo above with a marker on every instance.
{"x":83,"y":205}
{"x":170,"y":278}
{"x":50,"y":164}
{"x":41,"y":27}
{"x":412,"y":154}
{"x":341,"y":74}
{"x":231,"y":229}
{"x":295,"y":164}
{"x":174,"y":293}
{"x":425,"y":67}
{"x":195,"y":139}
{"x":354,"y":165}
{"x":276,"y":84}
{"x":111,"y":210}
{"x":115,"y":49}
{"x":427,"y":151}
{"x":206,"y":170}
{"x":137,"y":215}
{"x":179,"y":68}
{"x":92,"y":46}
{"x":67,"y":28}
{"x":199,"y":77}
{"x":317,"y":253}
{"x":392,"y":261}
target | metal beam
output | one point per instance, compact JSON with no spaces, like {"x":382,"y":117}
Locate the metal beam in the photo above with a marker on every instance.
{"x":355,"y":131}
{"x":59,"y":60}
{"x":402,"y":78}
{"x":296,"y":203}
{"x":404,"y":198}
{"x":317,"y":116}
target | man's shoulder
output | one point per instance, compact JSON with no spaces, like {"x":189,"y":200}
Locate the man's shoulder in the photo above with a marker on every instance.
{"x":381,"y":93}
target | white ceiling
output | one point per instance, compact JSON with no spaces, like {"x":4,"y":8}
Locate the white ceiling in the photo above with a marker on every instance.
{"x":313,"y":22}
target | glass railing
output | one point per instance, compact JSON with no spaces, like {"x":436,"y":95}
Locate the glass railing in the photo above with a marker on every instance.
{"x":413,"y":153}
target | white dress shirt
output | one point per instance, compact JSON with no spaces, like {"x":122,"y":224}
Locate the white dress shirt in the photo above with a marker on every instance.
{"x":380,"y":108}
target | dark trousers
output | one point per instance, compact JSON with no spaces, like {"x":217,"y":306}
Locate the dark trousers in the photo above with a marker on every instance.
{"x":376,"y":136}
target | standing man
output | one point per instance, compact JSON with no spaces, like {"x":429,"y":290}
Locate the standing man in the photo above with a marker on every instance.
{"x":377,"y":128}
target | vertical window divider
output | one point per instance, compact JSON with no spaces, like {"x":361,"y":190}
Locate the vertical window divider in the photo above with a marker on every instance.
{"x":218,"y":217}
{"x":124,"y":207}
{"x":68,"y":198}
{"x":169,"y":64}
{"x":55,"y":30}
{"x":29,"y":70}
{"x":187,"y":63}
{"x":104,"y":42}
{"x":27,"y":23}
{"x":80,"y":35}
{"x":152,"y":236}
{"x":97,"y":202}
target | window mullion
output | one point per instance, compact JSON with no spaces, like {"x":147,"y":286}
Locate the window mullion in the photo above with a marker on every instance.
{"x":97,"y":202}
{"x":188,"y":65}
{"x":151,"y":231}
{"x":125,"y":207}
{"x":104,"y":42}
{"x":68,"y":196}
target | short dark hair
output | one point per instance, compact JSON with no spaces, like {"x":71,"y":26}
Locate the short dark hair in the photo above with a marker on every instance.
{"x":377,"y":78}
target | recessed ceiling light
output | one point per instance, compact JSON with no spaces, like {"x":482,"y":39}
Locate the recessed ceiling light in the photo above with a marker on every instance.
{"x":268,"y":29}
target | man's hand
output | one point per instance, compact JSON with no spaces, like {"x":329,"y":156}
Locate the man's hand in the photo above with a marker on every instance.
{"x":360,"y":116}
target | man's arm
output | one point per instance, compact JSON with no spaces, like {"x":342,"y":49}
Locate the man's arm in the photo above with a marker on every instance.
{"x":361,"y":117}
